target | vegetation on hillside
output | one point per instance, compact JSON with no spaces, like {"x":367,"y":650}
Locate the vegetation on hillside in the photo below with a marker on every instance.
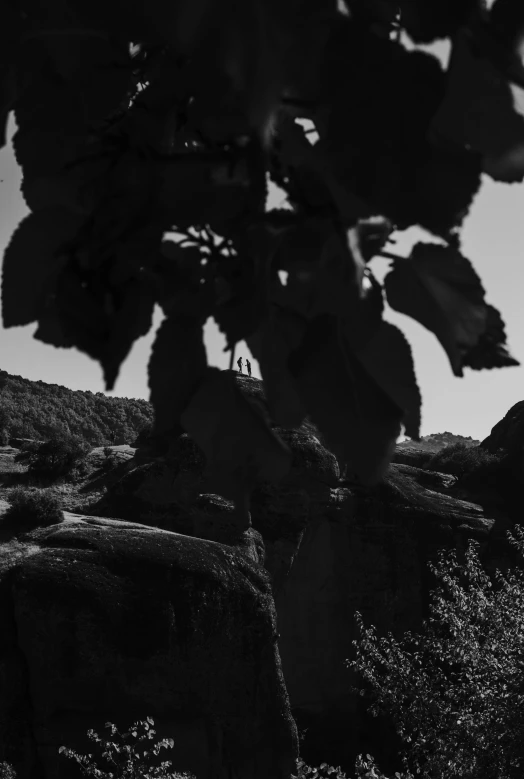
{"x":455,"y":691}
{"x":34,"y":409}
{"x":464,"y":459}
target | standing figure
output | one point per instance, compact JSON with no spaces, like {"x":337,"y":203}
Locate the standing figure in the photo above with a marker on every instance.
{"x":248,"y":365}
{"x":239,"y":363}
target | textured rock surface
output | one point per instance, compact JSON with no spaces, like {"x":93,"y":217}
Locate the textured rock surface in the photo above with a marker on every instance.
{"x":331,"y":548}
{"x":508,"y":433}
{"x":367,"y":552}
{"x":107,"y":620}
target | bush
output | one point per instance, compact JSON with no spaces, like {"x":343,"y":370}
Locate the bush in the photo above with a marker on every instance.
{"x":462,"y":459}
{"x":123,"y":754}
{"x":108,"y":451}
{"x":455,"y":692}
{"x":7,"y":771}
{"x":33,"y":507}
{"x":58,"y":457}
{"x":365,"y":768}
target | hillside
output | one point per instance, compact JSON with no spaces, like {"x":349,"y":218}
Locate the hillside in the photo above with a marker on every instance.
{"x":34,"y":409}
{"x":436,"y":441}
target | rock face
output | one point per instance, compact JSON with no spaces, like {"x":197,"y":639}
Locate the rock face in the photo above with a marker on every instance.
{"x":331,"y":548}
{"x":368,"y":552}
{"x":183,"y":625}
{"x":508,"y":434}
{"x":107,"y":620}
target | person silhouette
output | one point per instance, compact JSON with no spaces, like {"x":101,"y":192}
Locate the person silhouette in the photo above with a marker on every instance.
{"x":248,"y":366}
{"x":239,"y":363}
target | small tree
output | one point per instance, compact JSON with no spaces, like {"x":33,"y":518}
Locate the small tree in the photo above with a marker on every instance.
{"x":122,"y":753}
{"x":54,"y":458}
{"x":456,"y":691}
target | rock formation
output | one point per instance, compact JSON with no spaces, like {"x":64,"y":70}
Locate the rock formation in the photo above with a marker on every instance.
{"x":508,"y":433}
{"x":329,"y":548}
{"x":107,"y":620}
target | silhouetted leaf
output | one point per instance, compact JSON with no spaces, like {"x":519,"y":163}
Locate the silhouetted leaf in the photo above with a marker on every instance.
{"x":103,"y":326}
{"x":483,"y":111}
{"x":359,"y":421}
{"x":31,"y":258}
{"x":325,"y":269}
{"x":131,"y":319}
{"x":271,"y":344}
{"x":439,"y":288}
{"x":491,"y":350}
{"x":243,"y":286}
{"x":387,"y":358}
{"x":177,"y":364}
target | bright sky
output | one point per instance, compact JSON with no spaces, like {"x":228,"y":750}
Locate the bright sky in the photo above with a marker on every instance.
{"x":493,"y":239}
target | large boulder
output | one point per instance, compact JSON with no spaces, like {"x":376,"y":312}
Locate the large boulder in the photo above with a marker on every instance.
{"x":105,"y":620}
{"x":508,"y":433}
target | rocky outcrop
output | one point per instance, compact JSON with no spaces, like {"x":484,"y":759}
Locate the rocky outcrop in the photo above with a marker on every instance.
{"x":108,"y":620}
{"x":330,"y":548}
{"x":368,"y":552}
{"x":508,"y":433}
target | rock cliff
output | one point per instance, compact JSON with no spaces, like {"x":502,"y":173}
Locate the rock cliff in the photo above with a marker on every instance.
{"x":108,"y":620}
{"x":329,"y":548}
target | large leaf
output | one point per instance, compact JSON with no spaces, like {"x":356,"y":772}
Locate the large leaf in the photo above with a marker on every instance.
{"x":483,"y":110}
{"x":491,"y":350}
{"x":357,"y":418}
{"x":270,"y":345}
{"x":31,"y":258}
{"x":438,"y":287}
{"x":325,"y":269}
{"x":298,"y":154}
{"x":239,"y":446}
{"x":177,"y":364}
{"x":131,"y":318}
{"x":243,"y":283}
{"x":101,"y":323}
{"x":387,"y":358}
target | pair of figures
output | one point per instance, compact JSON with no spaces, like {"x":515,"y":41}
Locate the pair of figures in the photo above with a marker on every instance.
{"x":248,"y":365}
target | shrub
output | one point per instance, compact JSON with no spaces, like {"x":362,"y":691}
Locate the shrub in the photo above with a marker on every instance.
{"x":455,"y":692}
{"x":123,"y":754}
{"x":60,"y":456}
{"x":365,"y":768}
{"x":33,"y":508}
{"x":108,"y":451}
{"x":462,"y":459}
{"x":7,"y":771}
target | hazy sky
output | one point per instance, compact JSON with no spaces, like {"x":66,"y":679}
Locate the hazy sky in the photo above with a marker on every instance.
{"x":493,"y":239}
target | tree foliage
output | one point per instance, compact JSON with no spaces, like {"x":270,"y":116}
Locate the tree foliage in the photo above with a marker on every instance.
{"x":34,"y":409}
{"x":147,"y":134}
{"x":455,"y":691}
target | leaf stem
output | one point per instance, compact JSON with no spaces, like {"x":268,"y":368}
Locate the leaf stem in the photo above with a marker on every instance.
{"x":390,"y":256}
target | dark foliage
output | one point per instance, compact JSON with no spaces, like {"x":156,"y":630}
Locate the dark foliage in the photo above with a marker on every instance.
{"x":33,"y":508}
{"x":461,"y":459}
{"x":58,"y":457}
{"x":34,"y":409}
